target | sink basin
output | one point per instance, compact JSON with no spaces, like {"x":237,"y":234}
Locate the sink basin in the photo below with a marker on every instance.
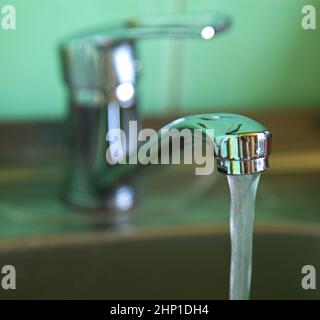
{"x":184,"y":263}
{"x":173,"y":245}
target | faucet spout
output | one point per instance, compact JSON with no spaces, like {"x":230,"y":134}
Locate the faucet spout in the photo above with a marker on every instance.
{"x":241,"y":145}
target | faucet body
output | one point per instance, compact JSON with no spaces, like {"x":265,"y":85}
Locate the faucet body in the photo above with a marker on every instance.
{"x":101,"y":71}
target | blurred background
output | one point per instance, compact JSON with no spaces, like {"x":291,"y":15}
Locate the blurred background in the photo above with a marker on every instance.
{"x":266,"y":61}
{"x":175,"y":242}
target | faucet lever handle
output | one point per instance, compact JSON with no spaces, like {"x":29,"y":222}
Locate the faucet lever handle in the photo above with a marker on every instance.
{"x":97,"y":63}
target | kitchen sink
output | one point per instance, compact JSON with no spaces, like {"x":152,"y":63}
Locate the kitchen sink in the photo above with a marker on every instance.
{"x":173,"y":244}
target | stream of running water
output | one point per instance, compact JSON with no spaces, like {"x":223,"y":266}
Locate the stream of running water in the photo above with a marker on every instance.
{"x":243,"y":193}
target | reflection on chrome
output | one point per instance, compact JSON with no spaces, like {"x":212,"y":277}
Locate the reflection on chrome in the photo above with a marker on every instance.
{"x":125,"y":92}
{"x":207,"y":32}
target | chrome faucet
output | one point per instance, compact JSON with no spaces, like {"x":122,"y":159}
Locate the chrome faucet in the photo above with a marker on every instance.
{"x":101,"y":71}
{"x":241,"y":145}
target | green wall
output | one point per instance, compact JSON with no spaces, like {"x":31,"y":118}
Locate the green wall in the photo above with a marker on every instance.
{"x":266,"y":60}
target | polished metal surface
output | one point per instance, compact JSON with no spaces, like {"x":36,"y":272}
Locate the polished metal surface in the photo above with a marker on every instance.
{"x":95,"y":65}
{"x":242,"y":145}
{"x":101,"y":71}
